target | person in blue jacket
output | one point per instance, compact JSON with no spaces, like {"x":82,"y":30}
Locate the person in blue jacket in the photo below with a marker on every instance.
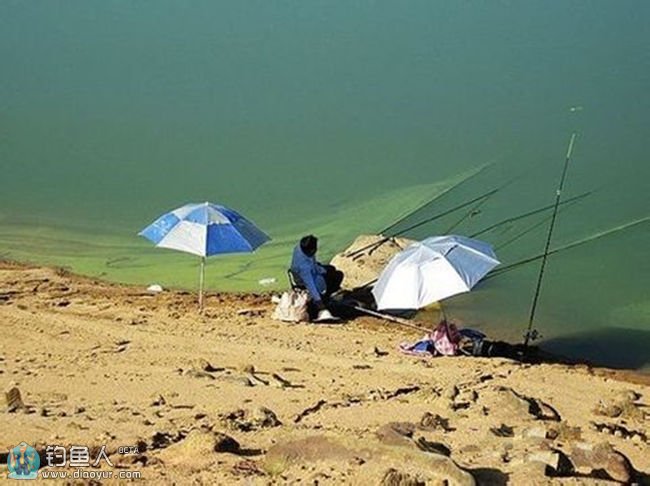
{"x":321,"y":281}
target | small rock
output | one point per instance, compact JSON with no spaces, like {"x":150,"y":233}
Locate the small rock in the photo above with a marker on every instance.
{"x":432,"y":447}
{"x":255,"y":419}
{"x":201,"y":364}
{"x":503,"y":431}
{"x":430,"y":421}
{"x":608,"y":409}
{"x":393,"y":477}
{"x":158,"y":401}
{"x":225,"y":443}
{"x":196,"y":451}
{"x":396,"y":433}
{"x":588,"y":458}
{"x":451,"y":392}
{"x":538,"y":432}
{"x":379,"y":353}
{"x":14,"y":400}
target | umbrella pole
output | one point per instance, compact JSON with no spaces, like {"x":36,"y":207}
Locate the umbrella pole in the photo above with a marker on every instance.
{"x":201,"y":280}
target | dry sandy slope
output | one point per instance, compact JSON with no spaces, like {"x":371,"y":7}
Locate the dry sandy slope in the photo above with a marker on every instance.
{"x":106,"y":364}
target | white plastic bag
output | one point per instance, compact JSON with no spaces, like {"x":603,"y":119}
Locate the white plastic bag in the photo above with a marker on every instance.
{"x":292,"y":307}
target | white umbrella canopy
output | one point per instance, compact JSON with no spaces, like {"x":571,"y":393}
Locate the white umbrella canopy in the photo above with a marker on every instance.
{"x":432,"y":270}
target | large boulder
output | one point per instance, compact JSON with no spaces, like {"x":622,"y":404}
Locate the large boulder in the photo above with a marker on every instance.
{"x":366,"y":257}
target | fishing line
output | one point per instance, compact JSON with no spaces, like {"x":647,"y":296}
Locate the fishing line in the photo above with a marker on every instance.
{"x":421,"y":223}
{"x":529,"y":214}
{"x":498,"y":272}
{"x":476,"y":209}
{"x":436,"y":197}
{"x":529,"y":229}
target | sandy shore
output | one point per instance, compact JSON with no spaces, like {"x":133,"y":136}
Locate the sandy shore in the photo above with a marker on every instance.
{"x":234,"y":397}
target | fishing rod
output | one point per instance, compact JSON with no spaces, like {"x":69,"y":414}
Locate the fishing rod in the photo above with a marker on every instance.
{"x":558,"y":194}
{"x":421,"y":223}
{"x":476,"y":209}
{"x":530,"y":228}
{"x":529,"y":214}
{"x":437,"y":196}
{"x":498,"y":272}
{"x":373,"y":246}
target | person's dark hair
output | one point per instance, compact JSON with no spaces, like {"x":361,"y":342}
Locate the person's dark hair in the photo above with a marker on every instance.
{"x":309,"y":245}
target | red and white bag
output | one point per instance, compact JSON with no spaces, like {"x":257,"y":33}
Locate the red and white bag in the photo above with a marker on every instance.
{"x":446,"y":339}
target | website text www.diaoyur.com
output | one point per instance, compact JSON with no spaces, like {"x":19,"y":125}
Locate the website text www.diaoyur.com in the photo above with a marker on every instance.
{"x":86,"y":474}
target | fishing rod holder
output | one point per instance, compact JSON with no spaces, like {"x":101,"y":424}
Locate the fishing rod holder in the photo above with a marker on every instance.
{"x":532,"y":335}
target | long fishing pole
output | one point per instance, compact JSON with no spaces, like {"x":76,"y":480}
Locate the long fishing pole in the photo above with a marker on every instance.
{"x":530,"y":229}
{"x":529,"y":214}
{"x":601,"y":234}
{"x":436,"y":197}
{"x":476,"y":209}
{"x":421,"y":223}
{"x":558,"y":194}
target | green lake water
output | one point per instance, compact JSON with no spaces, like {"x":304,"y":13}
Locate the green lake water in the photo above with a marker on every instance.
{"x":338,"y":118}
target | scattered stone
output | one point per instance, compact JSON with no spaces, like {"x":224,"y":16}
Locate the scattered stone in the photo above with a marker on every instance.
{"x":503,"y":431}
{"x":362,"y":367}
{"x":310,"y":410}
{"x":250,"y":312}
{"x":464,"y":399}
{"x":430,"y":421}
{"x":160,"y":440}
{"x":247,"y":468}
{"x":283,"y":382}
{"x":608,"y":409}
{"x":310,"y":449}
{"x":448,"y":472}
{"x":198,"y":374}
{"x":249,"y":369}
{"x":393,"y":477}
{"x":255,"y":419}
{"x":557,"y":461}
{"x":379,"y":353}
{"x":196,"y":451}
{"x":590,"y":459}
{"x":565,"y":432}
{"x":14,"y":400}
{"x":159,"y":401}
{"x":201,"y":364}
{"x":240,"y":380}
{"x":513,"y":403}
{"x":451,"y":392}
{"x":620,"y":431}
{"x":225,"y":443}
{"x":396,"y":433}
{"x":530,"y":472}
{"x":433,"y":447}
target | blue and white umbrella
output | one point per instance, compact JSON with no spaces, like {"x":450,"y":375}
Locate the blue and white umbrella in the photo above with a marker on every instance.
{"x":205,"y":229}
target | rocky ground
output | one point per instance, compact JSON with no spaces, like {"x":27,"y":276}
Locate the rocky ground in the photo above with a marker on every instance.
{"x":232,"y":396}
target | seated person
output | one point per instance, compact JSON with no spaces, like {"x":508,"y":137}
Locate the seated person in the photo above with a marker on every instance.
{"x":321,"y":281}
